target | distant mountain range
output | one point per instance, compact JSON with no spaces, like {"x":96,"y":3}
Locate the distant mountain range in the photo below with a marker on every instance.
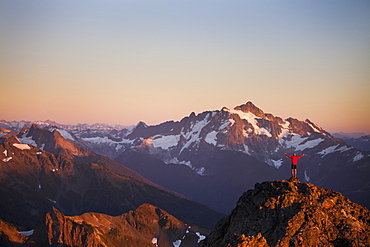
{"x":214,"y":156}
{"x":358,"y":140}
{"x":346,"y":136}
{"x":18,"y":125}
{"x":51,"y":176}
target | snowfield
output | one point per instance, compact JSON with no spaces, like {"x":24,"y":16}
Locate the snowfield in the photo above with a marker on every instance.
{"x":333,"y":149}
{"x":28,"y":140}
{"x":300,"y":143}
{"x":309,"y":144}
{"x":211,"y":138}
{"x":66,"y":135}
{"x":165,"y":142}
{"x":358,"y":157}
{"x":251,"y":118}
{"x":275,"y":163}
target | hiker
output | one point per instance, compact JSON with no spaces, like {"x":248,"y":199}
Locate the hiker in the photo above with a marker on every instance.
{"x":294,"y":163}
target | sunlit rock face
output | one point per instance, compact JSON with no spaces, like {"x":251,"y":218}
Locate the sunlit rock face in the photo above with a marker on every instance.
{"x":290,"y":213}
{"x":146,"y":226}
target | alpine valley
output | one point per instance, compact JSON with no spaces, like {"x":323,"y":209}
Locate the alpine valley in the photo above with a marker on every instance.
{"x":55,"y":173}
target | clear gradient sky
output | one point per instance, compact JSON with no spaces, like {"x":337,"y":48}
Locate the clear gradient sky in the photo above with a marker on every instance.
{"x":120,"y":62}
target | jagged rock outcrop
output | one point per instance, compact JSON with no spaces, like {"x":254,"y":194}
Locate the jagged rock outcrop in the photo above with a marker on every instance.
{"x":290,"y":213}
{"x":146,"y":226}
{"x":9,"y":236}
{"x":55,"y":229}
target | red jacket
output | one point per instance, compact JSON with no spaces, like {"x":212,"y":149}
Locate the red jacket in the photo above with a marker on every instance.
{"x":294,"y":158}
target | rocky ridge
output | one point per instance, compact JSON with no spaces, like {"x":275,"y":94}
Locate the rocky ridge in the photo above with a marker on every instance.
{"x":145,"y":226}
{"x":290,"y":213}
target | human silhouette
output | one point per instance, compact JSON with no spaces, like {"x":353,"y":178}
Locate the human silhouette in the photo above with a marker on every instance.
{"x":294,"y":163}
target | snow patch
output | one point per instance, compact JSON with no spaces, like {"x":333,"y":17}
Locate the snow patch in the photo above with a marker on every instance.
{"x":309,"y":144}
{"x":200,"y":237}
{"x":177,"y":243}
{"x":66,"y":135}
{"x":27,"y":233}
{"x":294,"y":141}
{"x":21,"y":146}
{"x":193,"y":135}
{"x":165,"y":142}
{"x":155,"y":241}
{"x":211,"y":138}
{"x":106,"y":140}
{"x":299,"y":142}
{"x":246,"y":149}
{"x":306,"y":177}
{"x":200,"y":171}
{"x":5,"y":153}
{"x":227,"y":123}
{"x":328,"y":150}
{"x":7,"y":159}
{"x":275,"y":163}
{"x":98,"y":139}
{"x":344,"y":149}
{"x":30,"y":141}
{"x":52,"y":201}
{"x":358,"y":157}
{"x":333,"y":149}
{"x":284,"y":130}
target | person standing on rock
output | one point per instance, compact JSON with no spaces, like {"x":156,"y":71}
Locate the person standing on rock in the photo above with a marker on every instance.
{"x":294,"y":163}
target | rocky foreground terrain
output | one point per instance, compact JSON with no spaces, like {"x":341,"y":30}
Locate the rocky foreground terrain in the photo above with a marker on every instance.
{"x":290,"y":213}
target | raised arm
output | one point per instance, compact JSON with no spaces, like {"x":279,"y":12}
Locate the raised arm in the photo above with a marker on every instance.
{"x":288,"y":155}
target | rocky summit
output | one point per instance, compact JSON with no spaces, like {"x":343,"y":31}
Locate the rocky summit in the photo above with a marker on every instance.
{"x":290,"y":213}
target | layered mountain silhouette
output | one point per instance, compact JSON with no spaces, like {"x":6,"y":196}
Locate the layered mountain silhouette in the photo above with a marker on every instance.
{"x":290,"y":213}
{"x":145,"y":226}
{"x":40,"y":169}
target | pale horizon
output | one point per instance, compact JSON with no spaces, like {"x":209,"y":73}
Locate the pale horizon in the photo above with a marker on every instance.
{"x":121,"y":62}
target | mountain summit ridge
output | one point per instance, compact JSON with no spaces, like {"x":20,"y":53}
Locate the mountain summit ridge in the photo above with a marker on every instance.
{"x":290,"y":213}
{"x":250,"y":107}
